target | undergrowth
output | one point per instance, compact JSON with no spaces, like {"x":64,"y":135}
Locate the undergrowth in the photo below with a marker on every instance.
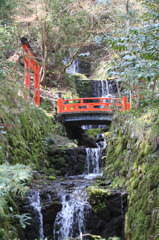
{"x":132,"y":162}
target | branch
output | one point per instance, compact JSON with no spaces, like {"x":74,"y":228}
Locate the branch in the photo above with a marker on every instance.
{"x":127,"y":7}
{"x":9,"y":74}
{"x":73,"y":57}
{"x":45,"y":37}
{"x":62,"y":10}
{"x":45,"y":48}
{"x":118,"y":89}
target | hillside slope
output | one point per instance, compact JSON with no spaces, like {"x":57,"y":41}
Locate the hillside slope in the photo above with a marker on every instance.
{"x":132,"y":162}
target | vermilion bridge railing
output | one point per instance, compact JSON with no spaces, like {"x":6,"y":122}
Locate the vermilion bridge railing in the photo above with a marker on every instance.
{"x":92,"y":104}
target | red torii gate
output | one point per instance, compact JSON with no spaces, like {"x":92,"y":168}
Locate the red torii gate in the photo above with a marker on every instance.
{"x":30,"y":63}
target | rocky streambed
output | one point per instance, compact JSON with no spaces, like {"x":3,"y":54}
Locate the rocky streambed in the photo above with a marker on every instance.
{"x":81,"y":202}
{"x":67,"y":206}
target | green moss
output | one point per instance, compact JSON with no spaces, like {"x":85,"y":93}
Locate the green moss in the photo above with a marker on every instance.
{"x":135,"y":183}
{"x":1,"y":156}
{"x":97,"y":198}
{"x":52,"y":178}
{"x":2,"y":234}
{"x":82,"y":86}
{"x":117,"y":183}
{"x":26,"y":143}
{"x":93,"y":132}
{"x":132,"y":162}
{"x":106,"y":134}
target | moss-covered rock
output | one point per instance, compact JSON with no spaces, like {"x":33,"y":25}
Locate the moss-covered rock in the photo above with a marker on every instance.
{"x":94,"y":132}
{"x":132,"y":162}
{"x":83,"y":86}
{"x":97,"y":198}
{"x":25,"y":131}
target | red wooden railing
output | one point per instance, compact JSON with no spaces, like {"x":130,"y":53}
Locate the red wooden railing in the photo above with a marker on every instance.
{"x":30,"y":63}
{"x":92,"y":104}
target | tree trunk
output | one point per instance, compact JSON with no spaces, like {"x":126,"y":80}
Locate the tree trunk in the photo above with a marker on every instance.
{"x":138,"y":96}
{"x":119,"y":94}
{"x":44,"y":65}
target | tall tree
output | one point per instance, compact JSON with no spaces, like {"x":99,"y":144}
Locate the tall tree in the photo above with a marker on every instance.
{"x":64,"y":25}
{"x":138,"y":49}
{"x":6,"y":7}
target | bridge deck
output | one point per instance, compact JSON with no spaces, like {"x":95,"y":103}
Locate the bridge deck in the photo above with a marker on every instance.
{"x":85,"y":118}
{"x":89,"y":111}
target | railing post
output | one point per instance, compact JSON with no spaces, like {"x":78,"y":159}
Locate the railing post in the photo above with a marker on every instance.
{"x":124,"y":101}
{"x":59,"y":95}
{"x":37,"y":86}
{"x":27,"y":77}
{"x":59,"y":105}
{"x":128,"y":106}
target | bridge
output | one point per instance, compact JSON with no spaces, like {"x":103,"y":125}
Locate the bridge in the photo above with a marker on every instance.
{"x":89,"y":111}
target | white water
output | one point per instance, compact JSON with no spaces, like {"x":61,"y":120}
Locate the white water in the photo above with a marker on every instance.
{"x":105,"y":89}
{"x":103,"y":144}
{"x":73,"y":68}
{"x":92,"y":160}
{"x":69,"y":221}
{"x":101,"y":89}
{"x":36,"y":203}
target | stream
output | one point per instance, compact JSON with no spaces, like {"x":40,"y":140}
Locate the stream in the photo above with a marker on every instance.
{"x":61,"y":209}
{"x":70,"y":221}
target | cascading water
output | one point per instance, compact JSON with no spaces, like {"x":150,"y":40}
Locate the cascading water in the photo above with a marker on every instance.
{"x":70,"y":221}
{"x":101,"y":88}
{"x":92,"y":160}
{"x":34,"y":199}
{"x":105,"y":89}
{"x":73,"y":68}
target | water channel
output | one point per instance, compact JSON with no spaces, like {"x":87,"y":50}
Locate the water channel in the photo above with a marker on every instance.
{"x":70,"y":221}
{"x":75,"y":217}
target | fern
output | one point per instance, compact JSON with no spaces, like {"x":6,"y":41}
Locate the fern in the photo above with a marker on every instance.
{"x":12,"y":180}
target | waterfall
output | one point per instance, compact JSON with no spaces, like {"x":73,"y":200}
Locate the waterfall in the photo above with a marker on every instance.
{"x":72,"y":220}
{"x":105,"y":88}
{"x":35,"y":202}
{"x":88,"y":127}
{"x":101,"y":88}
{"x":92,"y":160}
{"x":73,"y":68}
{"x":69,"y":221}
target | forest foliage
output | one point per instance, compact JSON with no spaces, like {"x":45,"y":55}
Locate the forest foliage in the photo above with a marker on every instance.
{"x":127,"y":32}
{"x":137,"y":47}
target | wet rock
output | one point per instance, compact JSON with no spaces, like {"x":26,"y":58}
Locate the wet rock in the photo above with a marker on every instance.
{"x":110,"y":221}
{"x":49,"y":214}
{"x":68,"y":161}
{"x":31,"y":231}
{"x":75,"y":160}
{"x":76,"y":132}
{"x":105,"y":183}
{"x":47,"y":206}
